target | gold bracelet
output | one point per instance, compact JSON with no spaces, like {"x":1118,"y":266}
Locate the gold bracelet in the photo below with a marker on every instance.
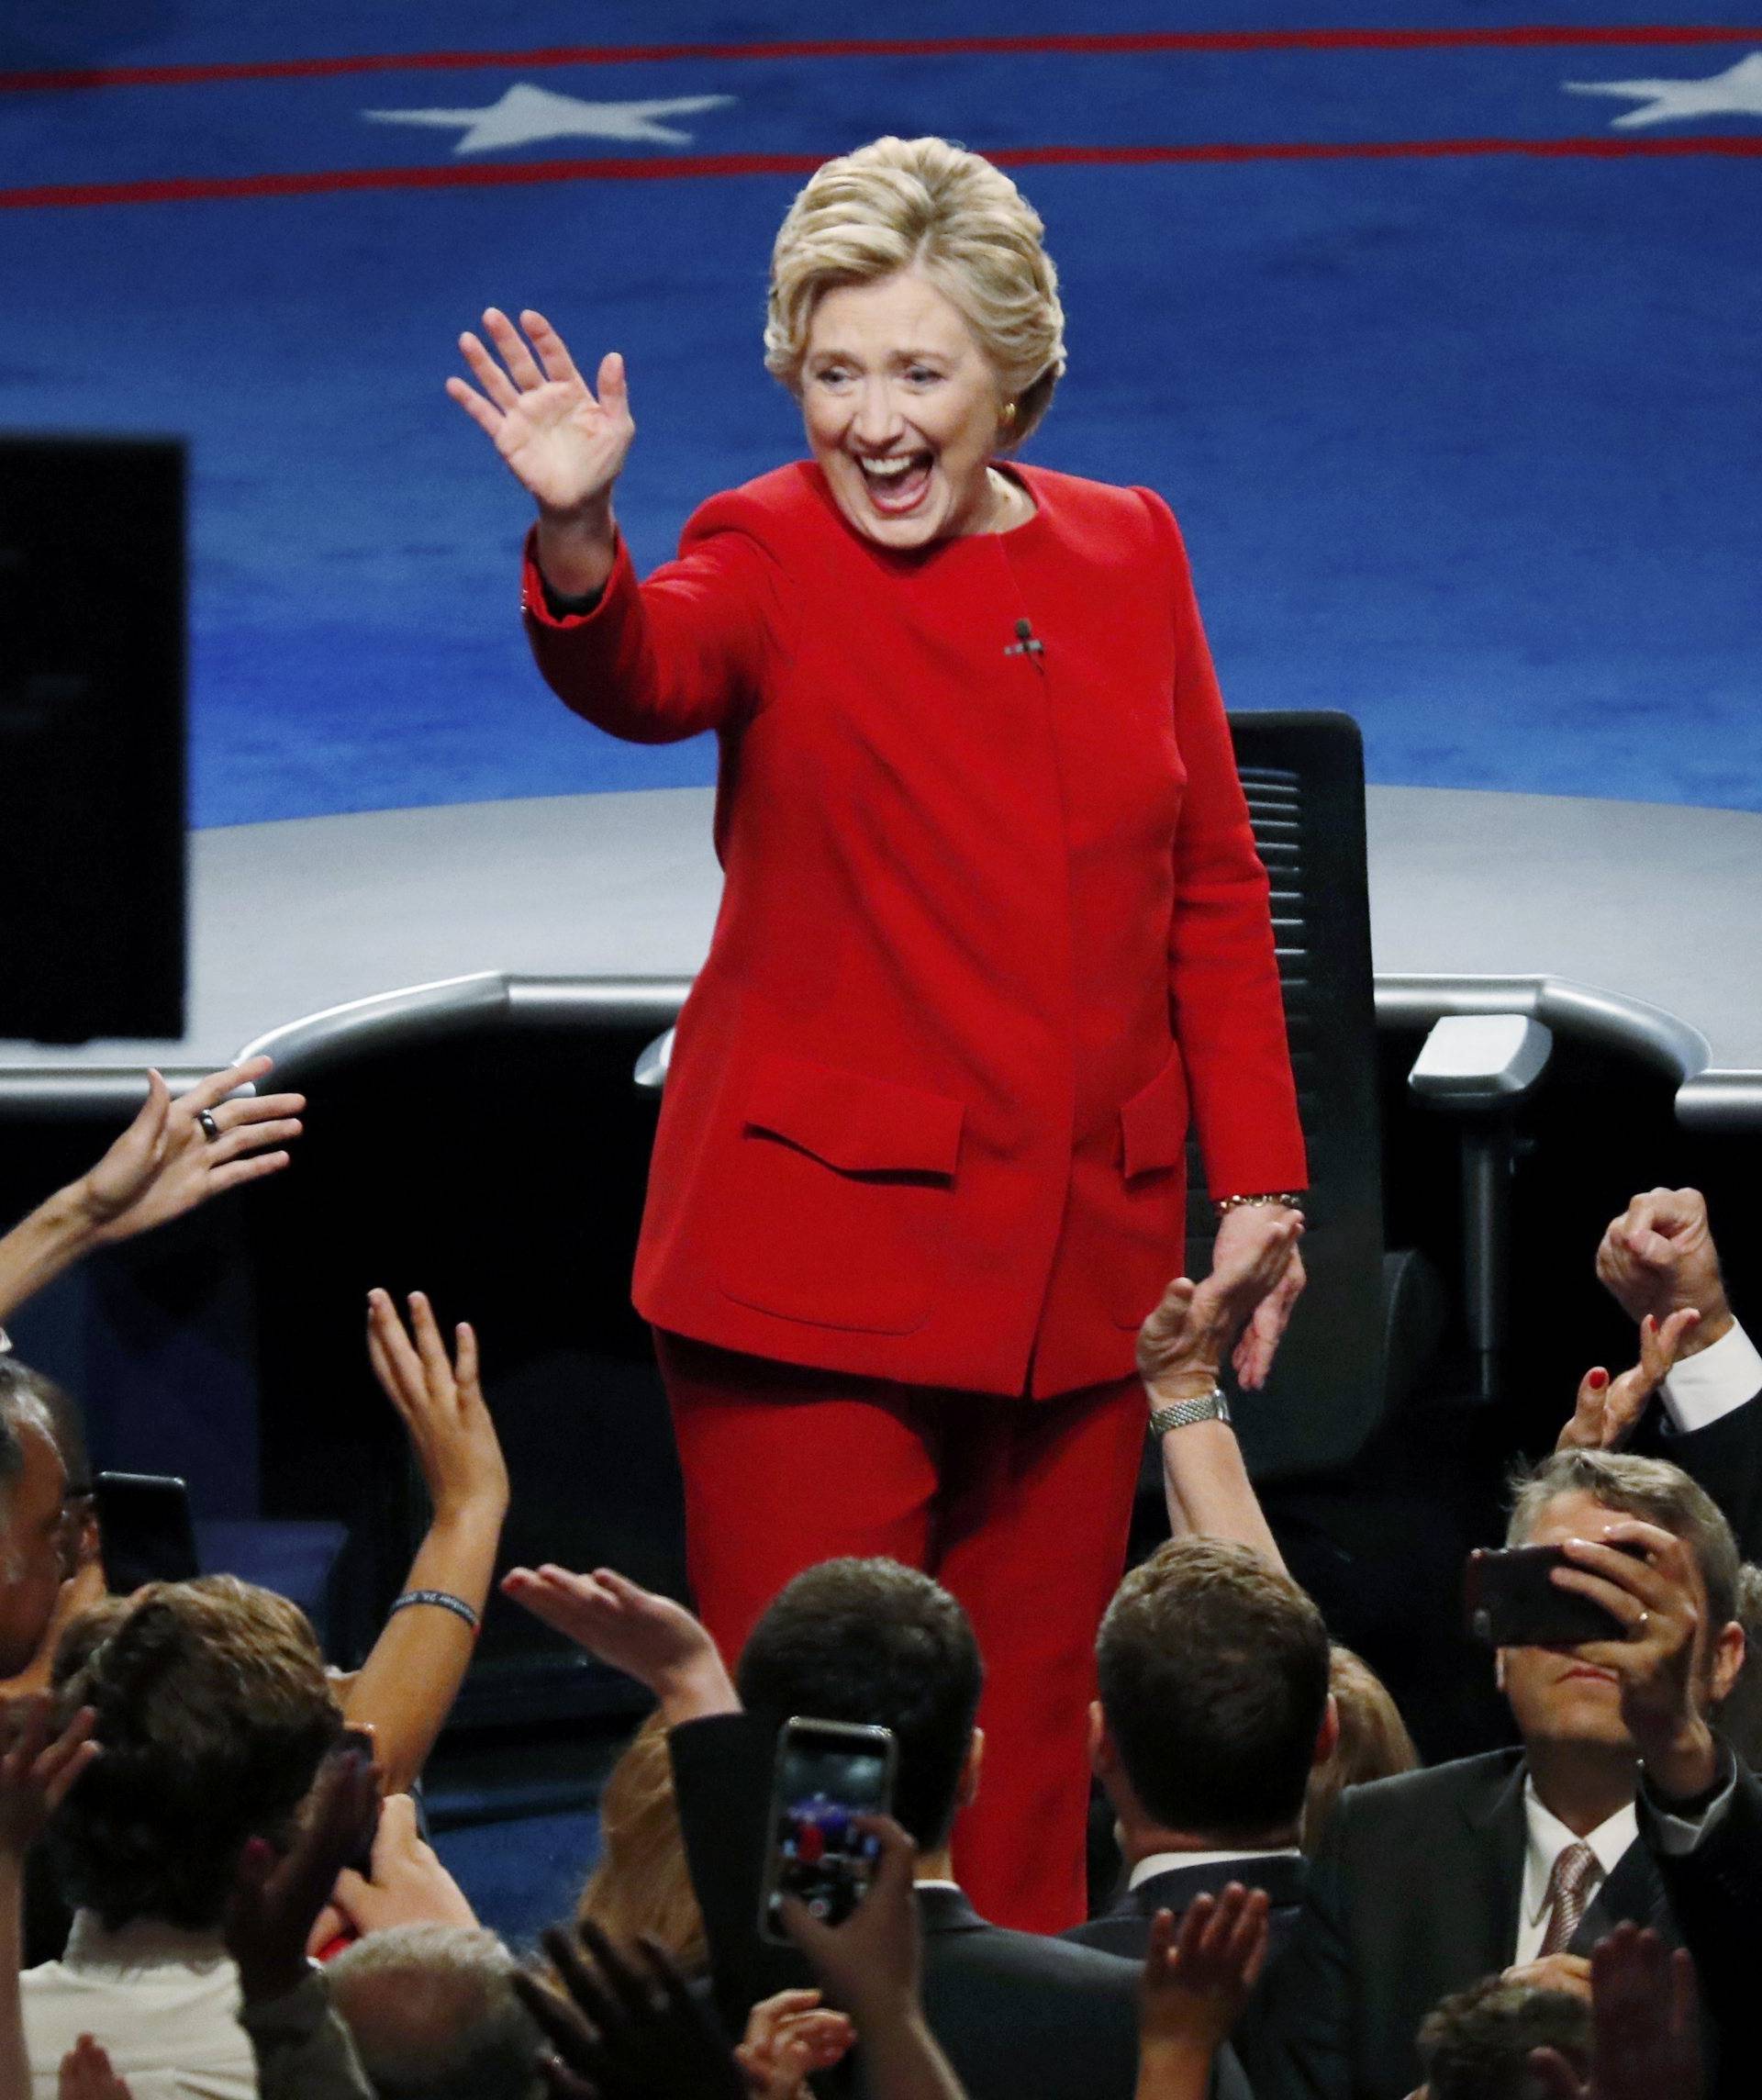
{"x":1288,"y":1200}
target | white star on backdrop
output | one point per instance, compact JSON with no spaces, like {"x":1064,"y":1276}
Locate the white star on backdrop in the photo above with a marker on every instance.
{"x":526,"y":114}
{"x":1736,"y":92}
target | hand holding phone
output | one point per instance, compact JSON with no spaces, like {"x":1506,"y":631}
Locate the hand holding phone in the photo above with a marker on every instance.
{"x":828,"y":1775}
{"x":1512,"y":1601}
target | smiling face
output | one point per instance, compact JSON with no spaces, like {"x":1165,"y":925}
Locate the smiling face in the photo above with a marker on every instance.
{"x":1556,"y":1697}
{"x":903,"y":410}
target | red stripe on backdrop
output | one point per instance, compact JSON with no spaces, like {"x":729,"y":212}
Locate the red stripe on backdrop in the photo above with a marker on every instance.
{"x":197,"y":188}
{"x":880,"y":47}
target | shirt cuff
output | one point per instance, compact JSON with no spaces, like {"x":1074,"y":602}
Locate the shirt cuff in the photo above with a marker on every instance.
{"x":1676,"y":1834}
{"x":1715,"y":1381}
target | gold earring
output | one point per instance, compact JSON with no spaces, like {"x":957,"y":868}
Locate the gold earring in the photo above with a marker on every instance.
{"x":1009,"y":414}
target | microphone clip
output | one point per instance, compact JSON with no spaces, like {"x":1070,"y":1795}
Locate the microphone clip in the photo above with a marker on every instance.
{"x":1027,"y":643}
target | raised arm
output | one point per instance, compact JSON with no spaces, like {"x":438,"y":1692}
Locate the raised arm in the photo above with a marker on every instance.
{"x":1180,"y":1348}
{"x":179,"y":1151}
{"x":406,"y":1688}
{"x":563,"y":443}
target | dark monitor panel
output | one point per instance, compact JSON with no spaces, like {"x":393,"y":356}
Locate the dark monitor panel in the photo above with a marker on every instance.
{"x":92,"y":738}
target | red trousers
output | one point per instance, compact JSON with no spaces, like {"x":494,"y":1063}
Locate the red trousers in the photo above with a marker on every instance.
{"x":1020,"y":1507}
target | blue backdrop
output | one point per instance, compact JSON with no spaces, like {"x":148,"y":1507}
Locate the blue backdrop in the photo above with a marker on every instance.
{"x":1464,"y":437}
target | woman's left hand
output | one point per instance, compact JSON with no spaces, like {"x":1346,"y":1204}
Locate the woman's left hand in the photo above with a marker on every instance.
{"x":1247,"y":1237}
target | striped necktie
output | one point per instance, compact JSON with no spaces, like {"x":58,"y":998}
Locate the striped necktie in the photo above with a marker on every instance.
{"x":1570,"y":1887}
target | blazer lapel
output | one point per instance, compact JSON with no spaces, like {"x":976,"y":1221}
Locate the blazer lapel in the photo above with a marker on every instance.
{"x":1634,"y":1891}
{"x":1485,"y":1885}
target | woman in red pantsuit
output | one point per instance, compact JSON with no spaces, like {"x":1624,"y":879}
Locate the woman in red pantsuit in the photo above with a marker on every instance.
{"x":993,"y":929}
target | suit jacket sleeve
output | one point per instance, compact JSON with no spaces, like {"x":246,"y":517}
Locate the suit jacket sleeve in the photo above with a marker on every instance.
{"x":689,"y":650}
{"x":1725,"y":1459}
{"x":721,"y":1777}
{"x":1295,"y":2038}
{"x":1227,"y":1007}
{"x":1715,"y":1894}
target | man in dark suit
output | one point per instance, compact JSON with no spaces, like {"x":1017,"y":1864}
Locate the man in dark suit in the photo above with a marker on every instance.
{"x":869,"y":1641}
{"x":1214,"y":1705}
{"x":1522,"y":1860}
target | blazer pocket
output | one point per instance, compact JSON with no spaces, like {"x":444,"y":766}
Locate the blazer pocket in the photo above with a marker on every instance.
{"x":1152,"y":1123}
{"x":841,"y":1187}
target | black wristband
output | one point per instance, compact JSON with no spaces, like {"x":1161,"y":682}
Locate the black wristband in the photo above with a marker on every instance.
{"x":444,"y":1600}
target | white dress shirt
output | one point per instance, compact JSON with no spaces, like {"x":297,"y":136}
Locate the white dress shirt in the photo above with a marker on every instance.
{"x":165,"y":2004}
{"x":1170,"y":1862}
{"x":1715,"y":1383}
{"x":1547,"y":1838}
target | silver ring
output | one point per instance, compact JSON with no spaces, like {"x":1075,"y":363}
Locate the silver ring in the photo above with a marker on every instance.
{"x":210,"y":1129}
{"x":1645,"y":1620}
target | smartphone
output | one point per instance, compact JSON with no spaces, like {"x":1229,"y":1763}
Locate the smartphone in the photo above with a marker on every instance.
{"x":1512,"y":1601}
{"x":828,"y":1772}
{"x":144,"y":1530}
{"x":361,"y":1740}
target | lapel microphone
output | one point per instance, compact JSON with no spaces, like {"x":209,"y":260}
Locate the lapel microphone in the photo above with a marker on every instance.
{"x":1027,"y":643}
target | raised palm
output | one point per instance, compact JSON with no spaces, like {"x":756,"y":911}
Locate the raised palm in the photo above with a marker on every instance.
{"x":564,"y":443}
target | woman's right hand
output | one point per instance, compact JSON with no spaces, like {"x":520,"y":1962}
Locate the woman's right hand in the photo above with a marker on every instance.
{"x":563,"y":443}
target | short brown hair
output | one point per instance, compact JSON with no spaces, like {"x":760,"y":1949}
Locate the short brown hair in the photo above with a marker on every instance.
{"x":1650,"y":1487}
{"x":1214,"y":1679}
{"x":1476,"y":2044}
{"x":214,"y":1713}
{"x":873,"y":1641}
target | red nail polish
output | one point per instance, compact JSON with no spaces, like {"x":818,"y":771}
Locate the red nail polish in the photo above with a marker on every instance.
{"x":1599,"y":1379}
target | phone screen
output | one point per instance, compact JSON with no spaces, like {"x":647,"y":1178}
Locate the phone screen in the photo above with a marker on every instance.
{"x":826,"y":1777}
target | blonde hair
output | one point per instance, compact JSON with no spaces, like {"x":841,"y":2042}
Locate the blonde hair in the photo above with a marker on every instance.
{"x":1374,"y":1740}
{"x":642,"y":1884}
{"x":924,"y":205}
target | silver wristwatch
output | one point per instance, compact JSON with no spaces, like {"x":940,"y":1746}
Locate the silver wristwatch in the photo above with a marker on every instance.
{"x":1182,"y":1414}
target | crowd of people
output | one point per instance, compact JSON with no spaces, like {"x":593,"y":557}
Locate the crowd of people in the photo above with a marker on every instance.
{"x":214,"y":1882}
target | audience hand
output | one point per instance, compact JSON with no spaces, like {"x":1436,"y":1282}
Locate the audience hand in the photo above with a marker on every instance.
{"x":86,"y":2075}
{"x":1658,"y":1257}
{"x":1645,"y":2038}
{"x":408,"y":1885}
{"x":441,"y":1407}
{"x":626,"y":2030}
{"x":166,"y":1164}
{"x":1255,"y":1271}
{"x":1607,"y":1413}
{"x":38,"y":1769}
{"x":275,"y":1900}
{"x":1567,"y":1972}
{"x":788,"y":2038}
{"x":646,"y":1636}
{"x":872,"y":1963}
{"x":1198,"y":1976}
{"x":1655,"y":1599}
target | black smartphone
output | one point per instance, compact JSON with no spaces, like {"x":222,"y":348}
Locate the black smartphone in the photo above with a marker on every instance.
{"x":1512,"y":1601}
{"x":828,"y":1773}
{"x":144,"y":1530}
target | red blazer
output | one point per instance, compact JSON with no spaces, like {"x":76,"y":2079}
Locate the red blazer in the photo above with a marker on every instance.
{"x":926,"y":1112}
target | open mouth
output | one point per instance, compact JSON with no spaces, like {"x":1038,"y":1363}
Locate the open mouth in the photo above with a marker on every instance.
{"x":897,"y":484}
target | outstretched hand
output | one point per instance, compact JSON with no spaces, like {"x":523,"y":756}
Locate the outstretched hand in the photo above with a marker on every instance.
{"x":165,"y":1163}
{"x":37,"y":1767}
{"x":1256,"y":1274}
{"x":1644,"y":2036}
{"x":563,"y":443}
{"x":1199,"y":1974}
{"x":440,"y":1404}
{"x":646,"y":1636}
{"x":628,"y":2027}
{"x":1608,"y":1410}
